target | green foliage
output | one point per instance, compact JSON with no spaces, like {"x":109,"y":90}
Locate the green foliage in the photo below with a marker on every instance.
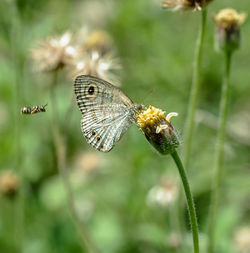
{"x":156,"y":48}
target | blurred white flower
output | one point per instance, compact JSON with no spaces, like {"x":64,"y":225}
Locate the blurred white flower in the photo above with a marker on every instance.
{"x":53,"y":53}
{"x":95,"y":64}
{"x":242,"y":240}
{"x":163,"y":194}
{"x":174,"y":240}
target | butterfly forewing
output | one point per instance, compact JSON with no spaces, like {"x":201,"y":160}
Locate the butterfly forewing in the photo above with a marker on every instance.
{"x":106,"y":112}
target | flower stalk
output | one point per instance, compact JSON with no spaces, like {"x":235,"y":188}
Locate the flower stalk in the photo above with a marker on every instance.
{"x":60,"y":146}
{"x":193,"y":100}
{"x":161,"y":134}
{"x":228,"y":23}
{"x":192,"y":105}
{"x":219,"y":153}
{"x":190,"y":201}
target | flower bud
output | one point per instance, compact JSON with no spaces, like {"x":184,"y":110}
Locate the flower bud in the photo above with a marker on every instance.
{"x":228,"y":23}
{"x":158,"y":129}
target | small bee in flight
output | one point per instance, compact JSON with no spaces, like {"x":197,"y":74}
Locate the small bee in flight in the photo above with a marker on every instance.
{"x":34,"y":109}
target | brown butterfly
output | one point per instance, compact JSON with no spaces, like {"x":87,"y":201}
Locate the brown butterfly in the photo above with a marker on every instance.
{"x":107,"y":112}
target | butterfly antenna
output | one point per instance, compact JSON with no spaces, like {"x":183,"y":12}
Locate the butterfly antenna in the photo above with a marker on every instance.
{"x":150,"y":92}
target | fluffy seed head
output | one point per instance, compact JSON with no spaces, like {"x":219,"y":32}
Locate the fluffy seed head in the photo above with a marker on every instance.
{"x":53,"y":53}
{"x":95,"y":64}
{"x":184,"y":5}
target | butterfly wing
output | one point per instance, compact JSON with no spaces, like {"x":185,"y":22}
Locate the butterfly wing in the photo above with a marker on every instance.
{"x":107,"y":112}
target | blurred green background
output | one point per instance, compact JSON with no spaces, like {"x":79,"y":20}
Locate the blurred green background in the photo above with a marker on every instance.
{"x":113,"y":192}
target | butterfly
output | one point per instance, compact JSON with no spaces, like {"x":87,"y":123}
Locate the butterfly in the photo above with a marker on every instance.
{"x":107,"y":112}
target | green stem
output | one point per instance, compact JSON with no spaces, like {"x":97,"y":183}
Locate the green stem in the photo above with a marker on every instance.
{"x":190,"y":202}
{"x":193,"y":100}
{"x":60,"y":146}
{"x":16,"y":51}
{"x":219,"y":153}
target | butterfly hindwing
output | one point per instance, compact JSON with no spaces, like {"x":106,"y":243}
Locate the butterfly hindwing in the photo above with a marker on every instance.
{"x":103,"y":133}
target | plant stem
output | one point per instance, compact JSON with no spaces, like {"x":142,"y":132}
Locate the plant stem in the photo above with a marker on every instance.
{"x":193,"y":99}
{"x":59,"y":141}
{"x":17,"y":58}
{"x":190,"y":202}
{"x":219,"y":153}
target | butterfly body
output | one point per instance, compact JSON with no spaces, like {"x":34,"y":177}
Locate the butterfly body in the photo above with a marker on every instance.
{"x":106,"y":111}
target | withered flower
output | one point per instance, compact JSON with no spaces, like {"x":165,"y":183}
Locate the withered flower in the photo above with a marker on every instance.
{"x":228,"y":23}
{"x":9,"y":183}
{"x":184,"y":5}
{"x":95,"y":64}
{"x":158,"y":129}
{"x":53,"y":53}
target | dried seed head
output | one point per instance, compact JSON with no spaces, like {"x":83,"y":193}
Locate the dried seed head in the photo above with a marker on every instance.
{"x":184,"y":5}
{"x":228,"y":23}
{"x":95,"y":64}
{"x":53,"y":53}
{"x":158,"y":129}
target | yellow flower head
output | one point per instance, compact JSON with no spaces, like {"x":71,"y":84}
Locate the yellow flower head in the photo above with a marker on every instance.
{"x":150,"y":117}
{"x":158,"y":129}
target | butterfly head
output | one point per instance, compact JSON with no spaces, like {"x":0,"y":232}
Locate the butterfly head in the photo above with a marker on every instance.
{"x":139,"y":108}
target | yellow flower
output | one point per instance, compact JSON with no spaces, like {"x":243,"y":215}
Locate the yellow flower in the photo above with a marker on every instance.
{"x":158,"y":129}
{"x":53,"y":53}
{"x":228,"y":23}
{"x":196,"y":5}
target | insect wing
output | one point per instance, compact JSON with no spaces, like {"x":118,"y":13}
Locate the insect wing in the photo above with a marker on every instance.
{"x":107,"y":112}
